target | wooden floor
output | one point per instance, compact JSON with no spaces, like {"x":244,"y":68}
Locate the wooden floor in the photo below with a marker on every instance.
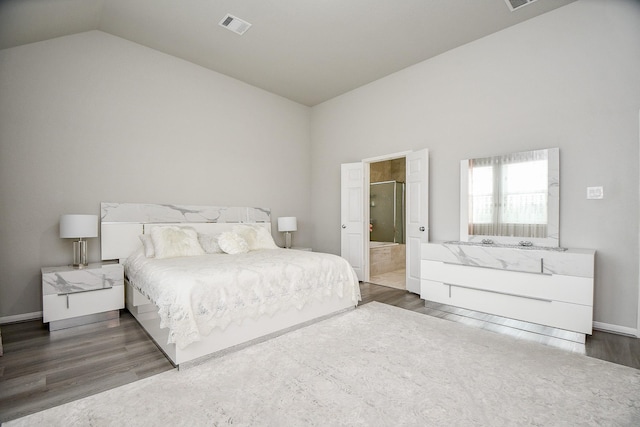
{"x":40,"y":369}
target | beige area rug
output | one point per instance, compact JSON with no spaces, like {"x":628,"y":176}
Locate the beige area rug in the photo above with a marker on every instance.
{"x":377,"y":365}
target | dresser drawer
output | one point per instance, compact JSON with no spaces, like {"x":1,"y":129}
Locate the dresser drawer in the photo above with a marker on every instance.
{"x":62,"y":280}
{"x":571,"y":289}
{"x":570,"y":262}
{"x":64,"y":306}
{"x":558,"y":314}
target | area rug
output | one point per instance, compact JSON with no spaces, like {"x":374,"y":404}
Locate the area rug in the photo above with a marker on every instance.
{"x":376,"y":365}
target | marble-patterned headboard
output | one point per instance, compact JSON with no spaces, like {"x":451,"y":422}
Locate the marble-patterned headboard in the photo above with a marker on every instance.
{"x":122,"y":223}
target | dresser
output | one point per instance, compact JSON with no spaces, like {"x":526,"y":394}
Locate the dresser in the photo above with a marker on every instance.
{"x":544,"y":286}
{"x":72,"y":296}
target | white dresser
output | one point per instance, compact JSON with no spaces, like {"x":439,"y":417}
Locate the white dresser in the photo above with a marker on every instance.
{"x":72,"y":296}
{"x":548,"y":287}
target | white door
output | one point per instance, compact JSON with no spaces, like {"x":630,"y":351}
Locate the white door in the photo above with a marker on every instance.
{"x":352,"y":216}
{"x":417,"y":194}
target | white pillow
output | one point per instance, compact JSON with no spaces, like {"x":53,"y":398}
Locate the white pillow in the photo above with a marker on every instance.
{"x":247,"y":233}
{"x":147,"y":243}
{"x":232,"y":243}
{"x":209,"y":243}
{"x":172,"y":241}
{"x":257,"y":237}
{"x":264,"y":239}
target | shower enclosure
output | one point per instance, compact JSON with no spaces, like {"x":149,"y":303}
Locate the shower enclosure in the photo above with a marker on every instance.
{"x":387,"y":212}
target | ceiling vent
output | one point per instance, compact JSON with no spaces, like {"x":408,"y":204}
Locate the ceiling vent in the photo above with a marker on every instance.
{"x":517,"y":4}
{"x":234,"y":24}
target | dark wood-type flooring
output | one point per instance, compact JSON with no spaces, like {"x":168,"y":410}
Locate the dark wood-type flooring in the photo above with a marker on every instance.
{"x":40,"y":370}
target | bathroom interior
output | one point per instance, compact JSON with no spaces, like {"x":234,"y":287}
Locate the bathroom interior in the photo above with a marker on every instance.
{"x":387,"y":250}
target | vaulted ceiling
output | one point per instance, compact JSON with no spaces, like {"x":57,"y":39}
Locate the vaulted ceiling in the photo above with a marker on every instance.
{"x":306,"y":50}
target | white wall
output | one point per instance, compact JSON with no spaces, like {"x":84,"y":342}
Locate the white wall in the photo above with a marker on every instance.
{"x":92,"y":117}
{"x":568,"y":79}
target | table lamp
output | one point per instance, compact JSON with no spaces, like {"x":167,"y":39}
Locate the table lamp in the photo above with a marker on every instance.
{"x":79,"y":227}
{"x":286,"y":225}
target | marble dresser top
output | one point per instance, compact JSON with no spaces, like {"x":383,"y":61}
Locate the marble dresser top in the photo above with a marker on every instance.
{"x":573,"y":262}
{"x":66,"y":279}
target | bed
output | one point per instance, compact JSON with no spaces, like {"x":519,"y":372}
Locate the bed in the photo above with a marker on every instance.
{"x":233,"y":288}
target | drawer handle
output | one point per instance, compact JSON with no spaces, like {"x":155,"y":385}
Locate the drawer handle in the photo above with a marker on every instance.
{"x":495,"y":292}
{"x":86,"y":290}
{"x":539,"y":273}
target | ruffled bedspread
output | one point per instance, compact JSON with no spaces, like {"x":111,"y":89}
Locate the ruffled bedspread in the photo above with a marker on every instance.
{"x":199,"y":293}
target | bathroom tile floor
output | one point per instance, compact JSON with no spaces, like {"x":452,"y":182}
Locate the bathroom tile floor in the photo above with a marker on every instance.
{"x":393,"y":279}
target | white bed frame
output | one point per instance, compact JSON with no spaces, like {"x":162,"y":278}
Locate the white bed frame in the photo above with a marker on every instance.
{"x":121,"y":226}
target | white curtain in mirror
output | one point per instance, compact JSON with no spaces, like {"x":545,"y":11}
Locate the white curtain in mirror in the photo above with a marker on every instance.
{"x":508,"y":195}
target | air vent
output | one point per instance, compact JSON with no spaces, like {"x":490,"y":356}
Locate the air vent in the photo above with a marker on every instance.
{"x":234,"y":24}
{"x":517,"y":4}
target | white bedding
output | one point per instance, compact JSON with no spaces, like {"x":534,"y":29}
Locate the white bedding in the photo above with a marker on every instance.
{"x":198,"y":293}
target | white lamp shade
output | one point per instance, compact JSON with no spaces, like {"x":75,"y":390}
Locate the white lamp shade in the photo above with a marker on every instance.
{"x":77,"y":226}
{"x":287,"y":223}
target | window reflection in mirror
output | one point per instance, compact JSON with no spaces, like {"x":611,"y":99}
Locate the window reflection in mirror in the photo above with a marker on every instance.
{"x":511,"y":198}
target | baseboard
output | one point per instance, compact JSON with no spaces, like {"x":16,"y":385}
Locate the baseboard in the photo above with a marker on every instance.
{"x":21,"y":317}
{"x":616,"y":329}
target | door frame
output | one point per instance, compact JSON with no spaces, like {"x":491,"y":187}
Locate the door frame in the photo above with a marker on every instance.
{"x":367,"y":205}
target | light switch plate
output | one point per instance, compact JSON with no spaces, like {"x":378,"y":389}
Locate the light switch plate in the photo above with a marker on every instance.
{"x":594,"y":193}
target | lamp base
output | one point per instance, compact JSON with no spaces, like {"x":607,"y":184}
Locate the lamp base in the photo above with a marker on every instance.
{"x":287,"y":240}
{"x":80,"y":254}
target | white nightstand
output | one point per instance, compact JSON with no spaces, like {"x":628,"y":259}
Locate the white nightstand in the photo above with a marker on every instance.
{"x":72,"y":297}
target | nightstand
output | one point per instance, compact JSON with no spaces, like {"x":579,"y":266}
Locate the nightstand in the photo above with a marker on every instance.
{"x":72,"y":296}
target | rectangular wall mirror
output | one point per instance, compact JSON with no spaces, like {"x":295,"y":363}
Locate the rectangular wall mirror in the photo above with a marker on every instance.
{"x":511,"y":199}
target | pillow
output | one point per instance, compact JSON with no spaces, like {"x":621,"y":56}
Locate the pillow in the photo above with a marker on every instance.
{"x":209,"y":243}
{"x":232,"y":243}
{"x":257,"y":237}
{"x":248,"y":233}
{"x":149,"y":250}
{"x":264,"y":239}
{"x":172,"y":241}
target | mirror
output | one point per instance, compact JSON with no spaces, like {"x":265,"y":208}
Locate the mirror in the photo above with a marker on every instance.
{"x":511,"y":199}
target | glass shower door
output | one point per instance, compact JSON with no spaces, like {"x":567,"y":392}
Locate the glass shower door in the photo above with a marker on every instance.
{"x":386,"y":212}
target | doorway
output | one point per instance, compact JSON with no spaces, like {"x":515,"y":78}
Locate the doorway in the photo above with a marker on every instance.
{"x":387,"y":213}
{"x":355,"y":210}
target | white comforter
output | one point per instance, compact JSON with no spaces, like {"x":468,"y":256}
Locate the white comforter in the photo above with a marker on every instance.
{"x":198,"y":293}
